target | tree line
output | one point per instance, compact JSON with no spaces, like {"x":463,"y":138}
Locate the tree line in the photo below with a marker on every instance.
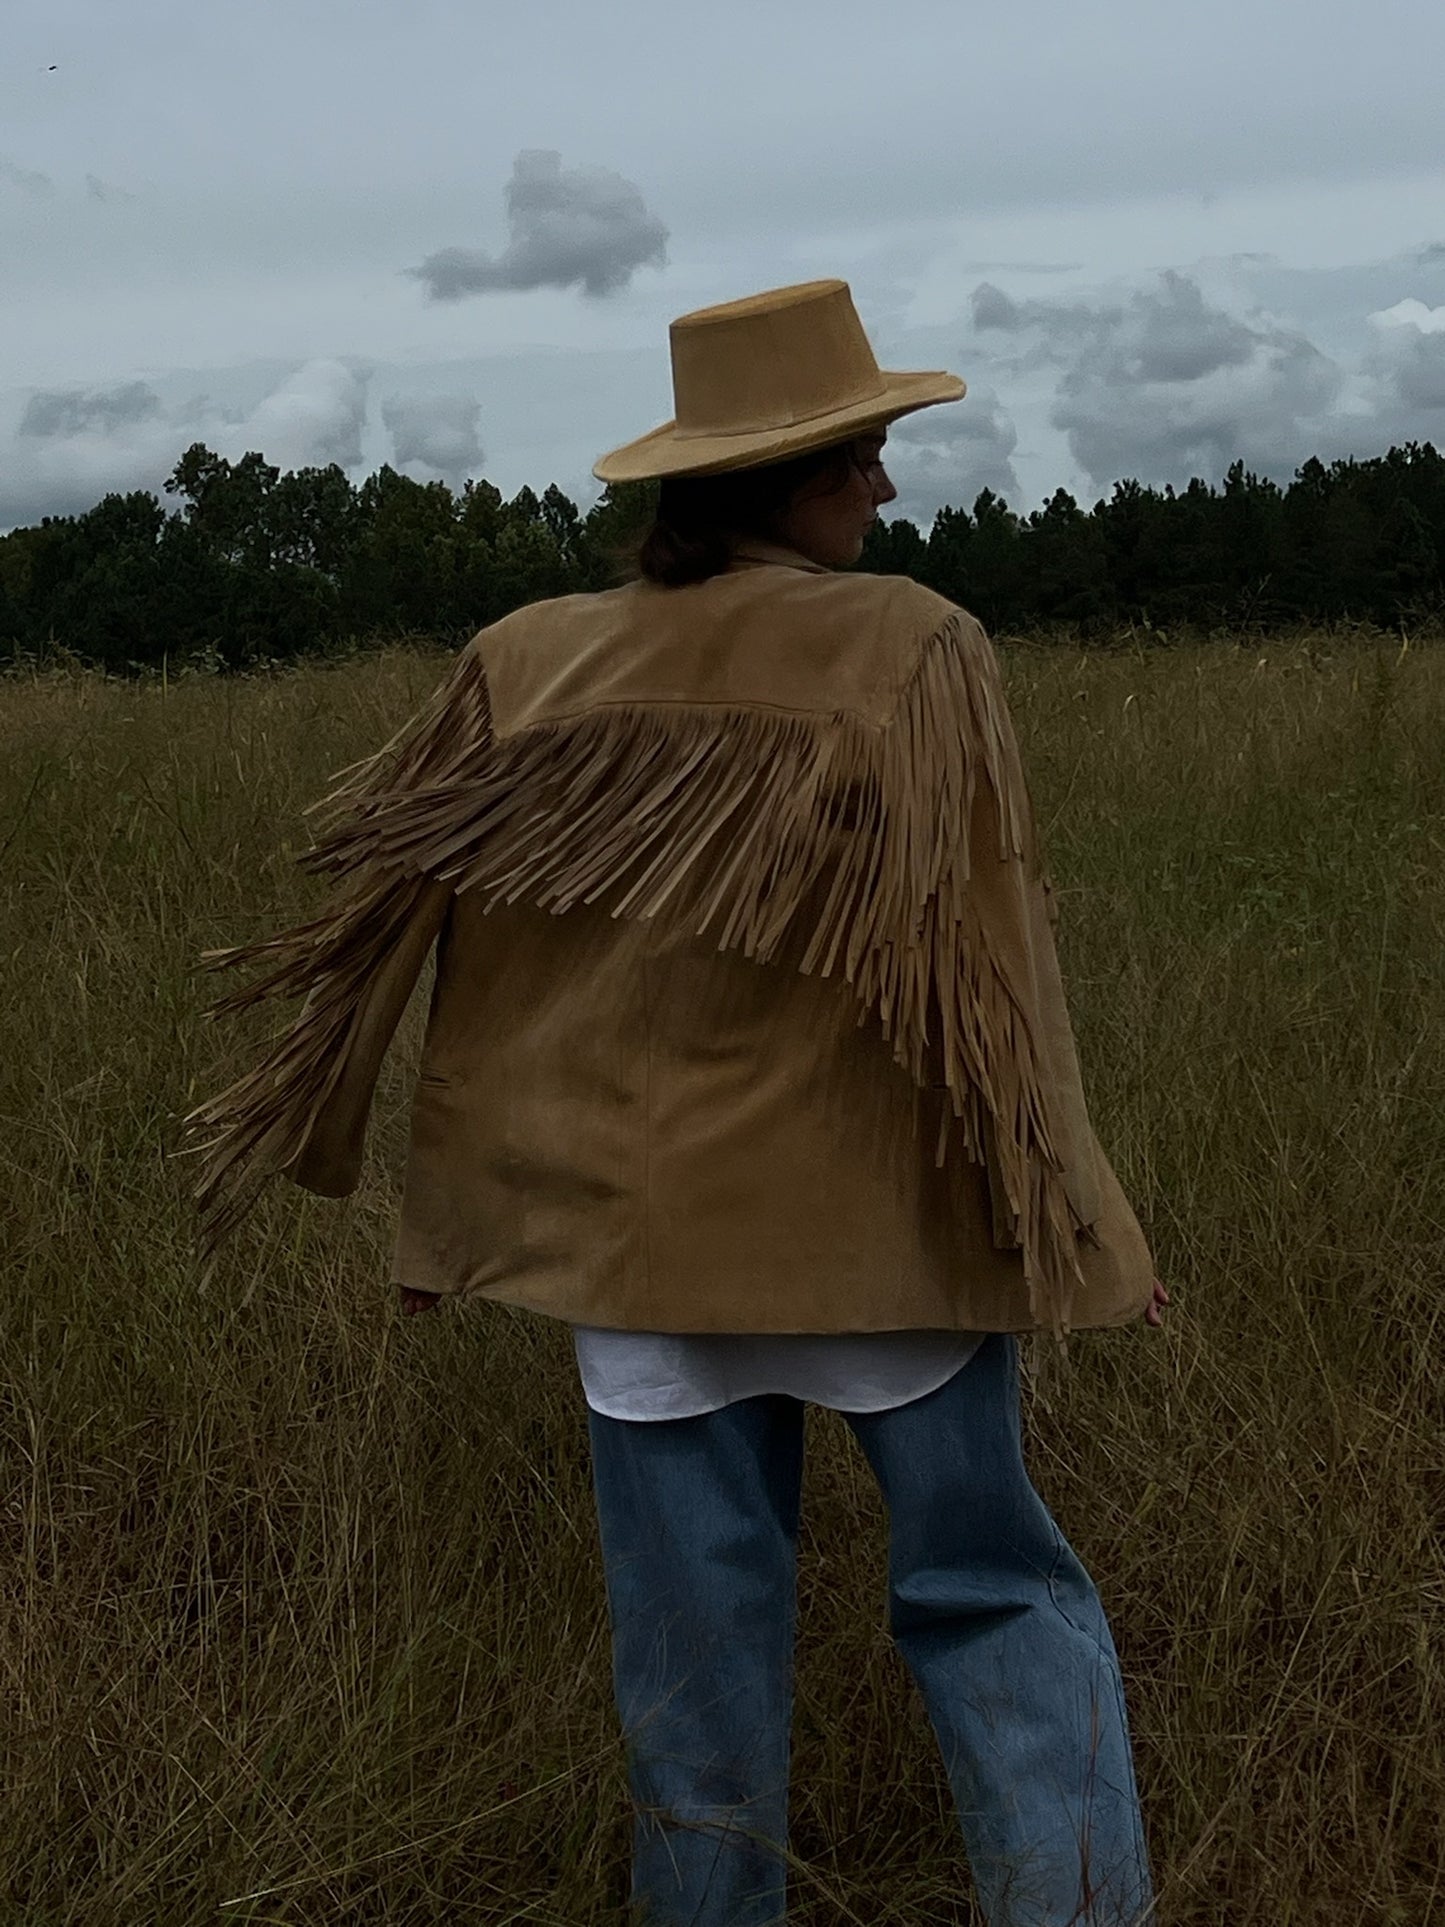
{"x":260,"y":566}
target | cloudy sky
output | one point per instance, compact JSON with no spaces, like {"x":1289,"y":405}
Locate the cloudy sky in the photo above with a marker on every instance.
{"x":1152,"y":238}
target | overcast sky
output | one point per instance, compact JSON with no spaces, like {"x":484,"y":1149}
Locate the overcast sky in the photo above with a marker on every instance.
{"x":1151,"y":238}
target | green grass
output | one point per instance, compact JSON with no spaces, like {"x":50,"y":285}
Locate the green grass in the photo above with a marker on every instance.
{"x":302,"y":1601}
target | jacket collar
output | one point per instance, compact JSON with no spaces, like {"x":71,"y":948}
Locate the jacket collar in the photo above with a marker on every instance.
{"x":754,"y":549}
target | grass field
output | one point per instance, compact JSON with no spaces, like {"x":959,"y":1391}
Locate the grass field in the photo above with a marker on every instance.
{"x":302,"y":1618}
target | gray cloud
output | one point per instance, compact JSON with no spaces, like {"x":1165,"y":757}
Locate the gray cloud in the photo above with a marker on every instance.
{"x":1405,"y":368}
{"x":950,"y":454}
{"x":1167,"y":385}
{"x":992,"y":308}
{"x":581,"y":226}
{"x":1418,"y":375}
{"x":26,"y":179}
{"x":1270,"y":412}
{"x":73,"y":446}
{"x":100,"y":190}
{"x":436,"y":432}
{"x":1181,"y":338}
{"x":60,"y":413}
{"x":1054,"y":321}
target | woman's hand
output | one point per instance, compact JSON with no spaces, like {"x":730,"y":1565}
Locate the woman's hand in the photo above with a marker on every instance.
{"x":1154,"y":1314}
{"x":415,"y":1301}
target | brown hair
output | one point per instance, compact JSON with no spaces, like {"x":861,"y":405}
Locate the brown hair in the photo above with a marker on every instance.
{"x":690,"y":537}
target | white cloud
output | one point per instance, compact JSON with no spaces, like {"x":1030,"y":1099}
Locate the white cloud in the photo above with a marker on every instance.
{"x":315,"y":416}
{"x":1411,"y":313}
{"x":435,"y":433}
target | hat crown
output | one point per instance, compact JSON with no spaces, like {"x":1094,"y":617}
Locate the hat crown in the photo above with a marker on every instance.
{"x":770,"y":361}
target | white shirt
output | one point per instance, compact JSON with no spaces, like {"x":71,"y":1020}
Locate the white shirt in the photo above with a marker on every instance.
{"x":658,"y":1375}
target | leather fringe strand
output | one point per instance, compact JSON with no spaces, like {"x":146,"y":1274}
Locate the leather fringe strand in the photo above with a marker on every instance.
{"x":723,"y":818}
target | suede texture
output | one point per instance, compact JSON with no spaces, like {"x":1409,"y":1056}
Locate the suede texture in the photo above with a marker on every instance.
{"x":623,"y":1120}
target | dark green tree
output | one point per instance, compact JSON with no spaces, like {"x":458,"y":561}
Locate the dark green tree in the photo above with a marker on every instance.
{"x":1132,"y":523}
{"x":893,"y":548}
{"x":611,"y":531}
{"x":1066,"y":577}
{"x":1250,"y":526}
{"x":257,"y":565}
{"x":945,"y":565}
{"x":997,"y":562}
{"x":408,"y":554}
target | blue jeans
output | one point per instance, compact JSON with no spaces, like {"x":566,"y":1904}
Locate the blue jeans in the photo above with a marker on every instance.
{"x":994,"y":1615}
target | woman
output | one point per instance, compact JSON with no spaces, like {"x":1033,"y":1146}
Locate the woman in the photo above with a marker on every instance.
{"x":748,"y":1056}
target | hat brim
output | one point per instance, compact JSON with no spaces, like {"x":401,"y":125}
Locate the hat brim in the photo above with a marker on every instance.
{"x":662,"y":451}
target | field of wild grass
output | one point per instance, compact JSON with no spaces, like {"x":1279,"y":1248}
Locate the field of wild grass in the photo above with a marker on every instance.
{"x":301,"y":1607}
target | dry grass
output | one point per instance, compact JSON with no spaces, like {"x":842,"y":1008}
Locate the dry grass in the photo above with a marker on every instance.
{"x":303,"y":1602}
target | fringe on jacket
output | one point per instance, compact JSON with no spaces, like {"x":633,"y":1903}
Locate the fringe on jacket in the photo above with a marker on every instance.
{"x":725,"y":817}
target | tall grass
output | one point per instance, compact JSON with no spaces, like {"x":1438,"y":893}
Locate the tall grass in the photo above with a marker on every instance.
{"x":302,"y":1615}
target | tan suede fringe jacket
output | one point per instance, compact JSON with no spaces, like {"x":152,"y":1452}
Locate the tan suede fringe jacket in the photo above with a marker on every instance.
{"x":747,"y":1012}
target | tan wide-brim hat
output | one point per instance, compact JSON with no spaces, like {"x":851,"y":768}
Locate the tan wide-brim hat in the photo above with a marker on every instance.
{"x":768,"y":377}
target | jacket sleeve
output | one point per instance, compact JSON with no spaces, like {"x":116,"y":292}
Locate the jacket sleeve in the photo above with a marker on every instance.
{"x":302,"y":1110}
{"x":329,"y":1160}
